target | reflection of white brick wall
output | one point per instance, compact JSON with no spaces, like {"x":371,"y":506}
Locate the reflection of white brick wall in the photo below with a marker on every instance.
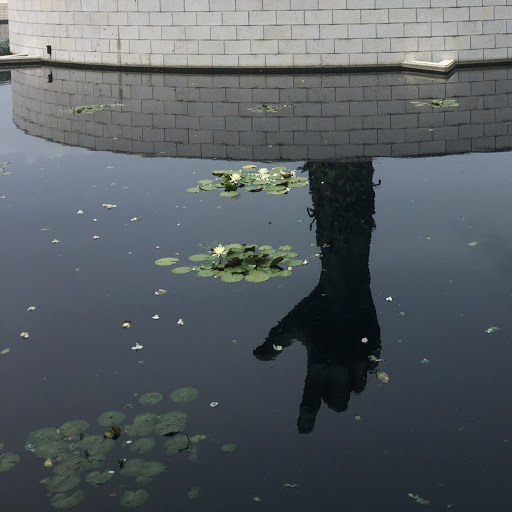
{"x":261,"y":33}
{"x":343,"y":116}
{"x":3,"y":10}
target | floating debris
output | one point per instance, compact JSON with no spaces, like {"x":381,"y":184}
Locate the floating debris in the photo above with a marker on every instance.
{"x":24,"y":335}
{"x":472,"y":244}
{"x":228,"y":447}
{"x":374,"y":359}
{"x":193,"y":493}
{"x":126,"y":324}
{"x":160,"y":291}
{"x":150,"y":398}
{"x":137,"y":346}
{"x":364,"y":340}
{"x":135,"y":219}
{"x":4,"y":351}
{"x":291,"y":486}
{"x":436,"y":103}
{"x":109,"y":206}
{"x":383,"y":377}
{"x":31,"y":308}
{"x":95,"y":237}
{"x":90,"y":109}
{"x":8,"y":461}
{"x":389,"y":299}
{"x":55,"y":241}
{"x":418,"y":499}
{"x":180,"y":322}
{"x":425,"y":361}
{"x":214,"y":404}
{"x":277,"y":348}
{"x":155,"y":317}
{"x":490,"y":330}
{"x":80,"y":212}
{"x":264,"y":108}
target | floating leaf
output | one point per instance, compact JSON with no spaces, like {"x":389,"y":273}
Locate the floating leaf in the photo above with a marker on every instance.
{"x":229,"y":193}
{"x":98,"y":478}
{"x":131,"y":499}
{"x":472,"y":244}
{"x":250,"y":166}
{"x":229,"y":277}
{"x":4,"y":351}
{"x":207,"y":273}
{"x":111,"y":418}
{"x":193,"y":190}
{"x":257,"y":276}
{"x":65,"y":481}
{"x":198,"y":437}
{"x":292,"y":486}
{"x":181,"y":270}
{"x":176,"y":444}
{"x":193,"y":493}
{"x":48,"y":463}
{"x":229,"y":447}
{"x":490,"y":330}
{"x":165,"y":262}
{"x":418,"y":499}
{"x":74,"y":428}
{"x":150,"y":398}
{"x":46,"y":442}
{"x":171,"y":422}
{"x":143,"y":445}
{"x":383,"y":377}
{"x":62,"y":501}
{"x":199,"y":257}
{"x":142,"y":471}
{"x":160,"y":291}
{"x":184,"y":395}
{"x":8,"y":461}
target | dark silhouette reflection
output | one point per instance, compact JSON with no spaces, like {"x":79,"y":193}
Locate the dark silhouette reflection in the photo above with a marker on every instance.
{"x":333,"y":319}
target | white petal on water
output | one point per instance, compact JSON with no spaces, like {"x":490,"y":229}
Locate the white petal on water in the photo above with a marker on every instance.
{"x":180,"y":322}
{"x":95,"y":237}
{"x":24,"y":335}
{"x":155,"y":317}
{"x":364,"y":340}
{"x":137,"y":346}
{"x":214,"y":404}
{"x":55,"y":241}
{"x":31,"y":308}
{"x":389,"y":299}
{"x":80,"y":212}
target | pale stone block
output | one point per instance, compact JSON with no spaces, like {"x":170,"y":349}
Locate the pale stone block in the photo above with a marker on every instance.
{"x":457,"y":43}
{"x":162,"y":46}
{"x":107,"y":32}
{"x":443,"y":3}
{"x":318,"y":17}
{"x":222,"y":5}
{"x":320,"y":46}
{"x":211,"y":47}
{"x":223,"y":33}
{"x":469,"y":28}
{"x":67,"y":44}
{"x":363,"y":31}
{"x":194,"y":32}
{"x":197,"y":5}
{"x":138,"y":18}
{"x":290,"y":18}
{"x":264,"y":47}
{"x":404,"y":44}
{"x":184,"y":18}
{"x":117,"y":18}
{"x":333,"y":4}
{"x":251,"y":60}
{"x":347,"y":46}
{"x":293,"y":46}
{"x":173,"y":5}
{"x":376,"y":45}
{"x":390,"y":58}
{"x":140,"y":46}
{"x":186,"y":47}
{"x":225,"y":61}
{"x":456,"y":14}
{"x":235,"y":47}
{"x":277,"y":32}
{"x":307,"y":60}
{"x":160,"y":18}
{"x":417,"y":29}
{"x":348,"y":17}
{"x":130,"y":32}
{"x":150,"y":32}
{"x":390,"y":30}
{"x":335,"y":59}
{"x":262,"y":18}
{"x":360,"y":4}
{"x":444,"y":29}
{"x":496,"y":53}
{"x":246,"y":32}
{"x":87,"y":5}
{"x":487,"y":13}
{"x":276,"y":5}
{"x":430,"y":43}
{"x":485,"y":41}
{"x":82,"y":18}
{"x":175,"y":60}
{"x":375,"y":16}
{"x":305,"y":32}
{"x":235,"y":18}
{"x":276,"y":61}
{"x":176,"y":33}
{"x":200,"y":61}
{"x":249,"y":5}
{"x":103,"y":5}
{"x":209,"y":18}
{"x":362,"y":59}
{"x":402,"y":15}
{"x":495,"y":27}
{"x":303,"y":4}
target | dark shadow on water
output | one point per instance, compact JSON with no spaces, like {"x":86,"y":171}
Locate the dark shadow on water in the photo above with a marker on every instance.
{"x":333,"y":319}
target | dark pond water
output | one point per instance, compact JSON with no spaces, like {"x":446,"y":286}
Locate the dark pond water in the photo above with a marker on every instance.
{"x":314,"y":427}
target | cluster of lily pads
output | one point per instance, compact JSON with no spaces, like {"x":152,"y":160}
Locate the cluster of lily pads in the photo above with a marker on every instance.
{"x":90,"y":109}
{"x":437,"y":103}
{"x":275,"y":181}
{"x":234,"y":262}
{"x":74,"y":454}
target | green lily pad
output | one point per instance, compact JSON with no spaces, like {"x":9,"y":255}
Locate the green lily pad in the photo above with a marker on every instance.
{"x":198,"y":437}
{"x":257,"y":276}
{"x":181,"y":270}
{"x":199,"y":257}
{"x":74,"y":428}
{"x":383,"y":377}
{"x":111,"y":418}
{"x":193,"y":190}
{"x":207,"y":273}
{"x":64,"y":482}
{"x":229,"y":193}
{"x":171,"y":422}
{"x":142,"y":425}
{"x":8,"y":461}
{"x":97,"y":445}
{"x":176,"y":443}
{"x":184,"y":395}
{"x":131,"y":499}
{"x":46,"y":442}
{"x":150,"y":398}
{"x":229,"y":447}
{"x":292,"y":263}
{"x":142,"y":445}
{"x":63,"y":501}
{"x":230,"y":277}
{"x":98,"y":478}
{"x":205,"y":182}
{"x":165,"y":262}
{"x":142,"y":471}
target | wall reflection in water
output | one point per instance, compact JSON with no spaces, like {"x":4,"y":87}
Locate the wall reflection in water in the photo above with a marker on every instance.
{"x":333,"y":319}
{"x":319,"y":117}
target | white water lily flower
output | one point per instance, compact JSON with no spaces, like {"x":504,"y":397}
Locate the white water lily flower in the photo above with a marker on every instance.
{"x":364,"y":340}
{"x":263,"y":172}
{"x":180,"y":322}
{"x":235,"y":177}
{"x":290,"y":268}
{"x":219,"y":251}
{"x":137,"y":346}
{"x":305,"y":262}
{"x":24,"y":335}
{"x":155,"y":317}
{"x":278,"y":348}
{"x":389,"y":299}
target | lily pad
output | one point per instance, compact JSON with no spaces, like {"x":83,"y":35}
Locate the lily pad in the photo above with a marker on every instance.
{"x":198,"y":438}
{"x":229,"y":447}
{"x":111,"y":418}
{"x":46,"y":442}
{"x":142,"y":471}
{"x":150,"y":398}
{"x":171,"y":422}
{"x":184,"y":395}
{"x":63,"y":501}
{"x":165,"y":262}
{"x":229,"y":277}
{"x":176,"y":444}
{"x":8,"y":461}
{"x":131,"y":499}
{"x":142,"y":425}
{"x":97,"y":445}
{"x":181,"y":270}
{"x":74,"y":428}
{"x":98,"y":478}
{"x":199,"y":257}
{"x":193,"y":493}
{"x":257,"y":276}
{"x":142,"y":445}
{"x":64,"y":482}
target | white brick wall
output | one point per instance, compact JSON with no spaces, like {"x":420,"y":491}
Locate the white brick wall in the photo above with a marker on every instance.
{"x":261,"y":33}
